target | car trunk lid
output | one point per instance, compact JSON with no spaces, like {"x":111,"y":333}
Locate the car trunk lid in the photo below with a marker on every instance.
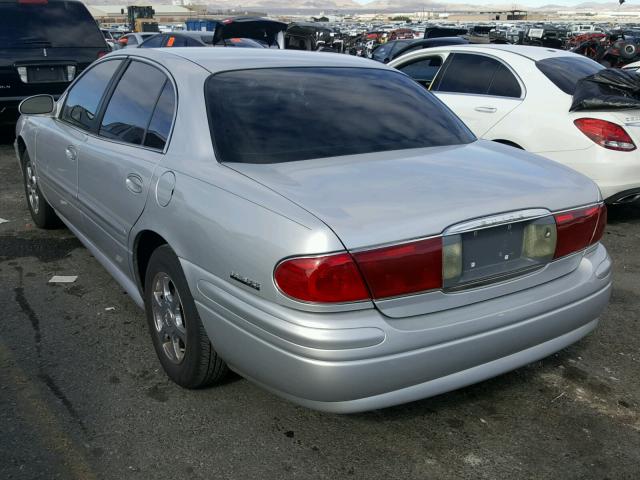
{"x":381,"y":199}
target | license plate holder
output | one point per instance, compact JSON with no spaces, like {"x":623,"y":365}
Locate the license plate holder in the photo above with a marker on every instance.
{"x":492,"y":254}
{"x":45,"y":74}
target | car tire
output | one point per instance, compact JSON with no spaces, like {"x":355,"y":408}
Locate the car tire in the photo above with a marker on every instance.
{"x":179,"y":338}
{"x":42,"y":213}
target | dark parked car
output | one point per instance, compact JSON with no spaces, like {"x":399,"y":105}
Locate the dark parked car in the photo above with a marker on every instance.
{"x":313,"y":37}
{"x":195,"y":39}
{"x":388,"y":51}
{"x":44,"y":45}
{"x":439,"y":32}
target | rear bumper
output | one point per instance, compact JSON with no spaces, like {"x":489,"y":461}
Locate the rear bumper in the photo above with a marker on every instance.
{"x":374,"y":361}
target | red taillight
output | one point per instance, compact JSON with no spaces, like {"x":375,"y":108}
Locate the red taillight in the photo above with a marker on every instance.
{"x":325,"y":279}
{"x":407,"y":268}
{"x":388,"y":272}
{"x":577,"y":229}
{"x":606,"y":134}
{"x":33,"y":2}
{"x":402,"y":269}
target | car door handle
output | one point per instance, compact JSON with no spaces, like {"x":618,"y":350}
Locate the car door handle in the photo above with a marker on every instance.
{"x":486,"y":109}
{"x":134,"y":183}
{"x":71,"y":153}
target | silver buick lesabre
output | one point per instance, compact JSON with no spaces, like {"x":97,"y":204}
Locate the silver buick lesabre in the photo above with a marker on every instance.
{"x":318,"y":223}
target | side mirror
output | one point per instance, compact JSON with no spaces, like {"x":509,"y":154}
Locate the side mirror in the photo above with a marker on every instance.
{"x":37,"y":105}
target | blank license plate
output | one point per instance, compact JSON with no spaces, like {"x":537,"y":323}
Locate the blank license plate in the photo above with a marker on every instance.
{"x":45,"y":74}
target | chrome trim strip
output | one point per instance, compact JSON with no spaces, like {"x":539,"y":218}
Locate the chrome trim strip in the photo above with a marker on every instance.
{"x":495,"y":220}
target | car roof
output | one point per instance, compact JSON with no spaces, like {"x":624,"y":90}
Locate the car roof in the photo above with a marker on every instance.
{"x":530,"y":52}
{"x":223,"y":59}
{"x":197,"y":34}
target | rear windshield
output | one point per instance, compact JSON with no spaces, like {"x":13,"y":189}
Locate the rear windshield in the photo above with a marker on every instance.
{"x":44,"y":25}
{"x":565,"y":72}
{"x":288,"y":114}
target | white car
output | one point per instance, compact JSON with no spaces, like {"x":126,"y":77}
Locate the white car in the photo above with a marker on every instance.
{"x":521,"y":96}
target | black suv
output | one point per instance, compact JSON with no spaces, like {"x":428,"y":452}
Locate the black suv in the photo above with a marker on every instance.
{"x":44,"y":45}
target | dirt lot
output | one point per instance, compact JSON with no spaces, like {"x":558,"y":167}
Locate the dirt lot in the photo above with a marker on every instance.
{"x":82,"y":395}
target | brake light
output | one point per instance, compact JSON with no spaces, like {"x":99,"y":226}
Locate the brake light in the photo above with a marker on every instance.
{"x":33,"y":2}
{"x":577,"y":229}
{"x":402,"y":269}
{"x":379,"y":273}
{"x":606,"y":134}
{"x":324,"y":279}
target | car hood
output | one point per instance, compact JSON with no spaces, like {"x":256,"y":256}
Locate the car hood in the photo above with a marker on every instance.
{"x":384,"y":197}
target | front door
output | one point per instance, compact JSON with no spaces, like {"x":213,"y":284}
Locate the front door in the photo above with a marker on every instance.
{"x":60,"y":141}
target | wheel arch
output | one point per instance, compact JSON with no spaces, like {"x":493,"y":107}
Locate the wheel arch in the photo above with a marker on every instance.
{"x":22,"y":148}
{"x":146,"y":242}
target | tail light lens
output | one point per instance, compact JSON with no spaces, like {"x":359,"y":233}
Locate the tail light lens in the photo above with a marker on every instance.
{"x":606,"y":134}
{"x":71,"y":72}
{"x":22,"y":72}
{"x":577,"y":229}
{"x":429,"y":264}
{"x":402,"y":269}
{"x":325,"y":279}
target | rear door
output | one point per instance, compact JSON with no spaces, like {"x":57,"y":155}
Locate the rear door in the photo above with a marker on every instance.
{"x":479,"y":88}
{"x":119,"y":161}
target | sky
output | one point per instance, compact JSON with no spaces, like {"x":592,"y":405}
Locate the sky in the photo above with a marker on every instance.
{"x":531,"y":3}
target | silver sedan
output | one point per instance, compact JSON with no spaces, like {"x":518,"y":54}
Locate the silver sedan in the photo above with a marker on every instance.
{"x":318,"y":223}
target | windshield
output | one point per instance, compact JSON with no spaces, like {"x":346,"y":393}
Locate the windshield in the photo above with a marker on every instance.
{"x":45,"y":25}
{"x":288,"y":114}
{"x":565,"y":72}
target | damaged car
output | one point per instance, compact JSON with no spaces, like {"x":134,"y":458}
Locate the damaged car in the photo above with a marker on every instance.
{"x":345,"y":266}
{"x":526,"y":97}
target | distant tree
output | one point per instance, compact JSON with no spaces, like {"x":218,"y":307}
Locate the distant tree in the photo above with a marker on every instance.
{"x":400,"y":19}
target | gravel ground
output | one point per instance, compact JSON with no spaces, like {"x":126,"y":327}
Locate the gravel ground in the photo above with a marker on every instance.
{"x":82,"y":395}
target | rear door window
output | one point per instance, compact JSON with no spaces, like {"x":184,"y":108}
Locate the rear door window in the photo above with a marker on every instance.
{"x":424,"y":70}
{"x":81,"y":106}
{"x":504,"y":84}
{"x":565,"y":72}
{"x":48,"y":25}
{"x":129,"y":110}
{"x":162,"y":118}
{"x":467,"y":73}
{"x":131,"y":40}
{"x":477,"y":75}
